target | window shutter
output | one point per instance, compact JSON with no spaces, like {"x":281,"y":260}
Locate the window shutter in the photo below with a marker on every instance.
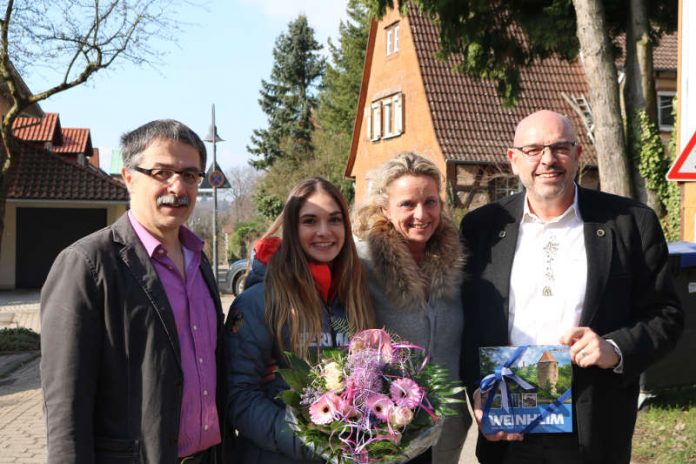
{"x":389,"y":42}
{"x":398,"y":114}
{"x":376,"y":121}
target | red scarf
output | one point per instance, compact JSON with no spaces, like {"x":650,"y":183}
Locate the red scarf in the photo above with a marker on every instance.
{"x":321,"y":273}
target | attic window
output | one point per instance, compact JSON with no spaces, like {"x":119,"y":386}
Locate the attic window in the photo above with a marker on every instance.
{"x":665,"y":119}
{"x":386,"y":118}
{"x":393,"y":38}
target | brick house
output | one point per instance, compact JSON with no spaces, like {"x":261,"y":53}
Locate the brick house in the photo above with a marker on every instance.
{"x":411,"y":101}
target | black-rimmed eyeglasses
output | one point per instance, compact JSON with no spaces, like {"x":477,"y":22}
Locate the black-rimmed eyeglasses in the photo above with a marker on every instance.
{"x":557,"y":148}
{"x":189,"y":176}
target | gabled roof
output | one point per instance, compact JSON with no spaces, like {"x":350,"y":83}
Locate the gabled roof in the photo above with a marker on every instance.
{"x":42,"y":130}
{"x":470,"y":122}
{"x":75,"y":141}
{"x":38,"y":174}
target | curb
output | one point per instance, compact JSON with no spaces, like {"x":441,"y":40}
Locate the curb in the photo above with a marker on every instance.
{"x":10,"y":362}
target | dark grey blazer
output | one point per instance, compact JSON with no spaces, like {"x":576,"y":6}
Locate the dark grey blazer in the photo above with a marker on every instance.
{"x":110,"y":360}
{"x":629,"y":299}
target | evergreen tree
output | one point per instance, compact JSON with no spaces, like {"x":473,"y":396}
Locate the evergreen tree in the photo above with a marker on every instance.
{"x":343,"y":76}
{"x":338,"y":99}
{"x":288,"y":97}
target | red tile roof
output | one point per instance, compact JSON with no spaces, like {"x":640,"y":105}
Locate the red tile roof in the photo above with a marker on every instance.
{"x":470,"y":122}
{"x":75,"y":141}
{"x":37,"y":174}
{"x":665,"y":55}
{"x":46,"y":129}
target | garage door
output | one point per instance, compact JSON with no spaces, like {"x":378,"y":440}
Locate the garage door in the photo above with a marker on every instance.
{"x":43,"y":232}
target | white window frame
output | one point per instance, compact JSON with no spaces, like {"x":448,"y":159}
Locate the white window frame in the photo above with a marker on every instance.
{"x":397,"y":29}
{"x":660,"y":111}
{"x":393,"y":38}
{"x":389,"y":41}
{"x":387,"y":116}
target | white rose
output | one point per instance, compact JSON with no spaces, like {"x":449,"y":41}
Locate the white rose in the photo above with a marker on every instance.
{"x":332,"y":376}
{"x":400,"y":416}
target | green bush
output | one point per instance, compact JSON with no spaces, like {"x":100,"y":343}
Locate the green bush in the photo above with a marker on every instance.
{"x":20,"y":339}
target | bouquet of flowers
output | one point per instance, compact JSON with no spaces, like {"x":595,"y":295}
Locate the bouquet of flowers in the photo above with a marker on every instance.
{"x":378,"y":401}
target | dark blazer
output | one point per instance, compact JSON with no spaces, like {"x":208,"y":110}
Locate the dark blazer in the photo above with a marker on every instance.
{"x":629,"y":298}
{"x":110,"y":360}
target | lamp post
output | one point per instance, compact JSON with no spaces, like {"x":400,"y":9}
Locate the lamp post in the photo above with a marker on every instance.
{"x":213,"y":138}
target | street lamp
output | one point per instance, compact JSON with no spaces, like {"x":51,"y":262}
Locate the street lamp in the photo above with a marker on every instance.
{"x":213,"y":138}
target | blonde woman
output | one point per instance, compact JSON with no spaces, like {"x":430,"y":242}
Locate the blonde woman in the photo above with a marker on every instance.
{"x":298,"y":287}
{"x":415,"y":266}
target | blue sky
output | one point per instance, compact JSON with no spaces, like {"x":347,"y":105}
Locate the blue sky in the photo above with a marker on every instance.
{"x":223,"y":52}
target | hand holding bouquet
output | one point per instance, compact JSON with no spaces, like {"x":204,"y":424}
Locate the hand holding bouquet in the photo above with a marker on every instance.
{"x":378,"y":402}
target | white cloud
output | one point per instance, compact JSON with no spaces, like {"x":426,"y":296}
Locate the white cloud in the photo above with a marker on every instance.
{"x":323,"y":15}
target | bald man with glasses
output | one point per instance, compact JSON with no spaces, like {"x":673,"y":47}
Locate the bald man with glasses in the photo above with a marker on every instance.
{"x":558,"y":263}
{"x":131,"y":365}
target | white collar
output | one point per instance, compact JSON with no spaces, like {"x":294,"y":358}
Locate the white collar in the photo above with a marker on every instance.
{"x":573,"y":210}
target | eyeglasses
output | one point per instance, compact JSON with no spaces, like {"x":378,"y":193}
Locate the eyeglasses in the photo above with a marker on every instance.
{"x":189,"y":176}
{"x":558,"y":148}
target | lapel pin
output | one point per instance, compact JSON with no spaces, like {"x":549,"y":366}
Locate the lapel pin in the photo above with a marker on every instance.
{"x":501,"y":234}
{"x":600,"y":233}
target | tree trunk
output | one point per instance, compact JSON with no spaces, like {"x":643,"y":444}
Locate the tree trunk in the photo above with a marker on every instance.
{"x":598,"y":62}
{"x":639,"y":93}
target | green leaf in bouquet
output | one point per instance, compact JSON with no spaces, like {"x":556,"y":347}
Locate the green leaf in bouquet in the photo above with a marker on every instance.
{"x":295,"y":375}
{"x":291,"y":398}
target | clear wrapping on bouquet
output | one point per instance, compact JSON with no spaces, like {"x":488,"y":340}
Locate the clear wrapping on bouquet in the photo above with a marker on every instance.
{"x":424,"y":439}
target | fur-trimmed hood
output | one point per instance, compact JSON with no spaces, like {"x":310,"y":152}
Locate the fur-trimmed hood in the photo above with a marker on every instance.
{"x":404,"y":282}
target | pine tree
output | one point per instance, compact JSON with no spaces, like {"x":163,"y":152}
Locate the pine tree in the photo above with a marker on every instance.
{"x":288,"y":98}
{"x":343,"y":76}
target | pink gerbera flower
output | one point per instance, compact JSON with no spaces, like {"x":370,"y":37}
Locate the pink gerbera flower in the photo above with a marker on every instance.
{"x":406,"y":392}
{"x":325,"y":408}
{"x":380,"y":406}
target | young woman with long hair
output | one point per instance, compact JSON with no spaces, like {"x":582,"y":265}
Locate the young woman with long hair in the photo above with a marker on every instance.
{"x":302,"y":289}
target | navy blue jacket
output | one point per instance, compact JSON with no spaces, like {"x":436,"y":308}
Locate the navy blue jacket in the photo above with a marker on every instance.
{"x":252,"y":406}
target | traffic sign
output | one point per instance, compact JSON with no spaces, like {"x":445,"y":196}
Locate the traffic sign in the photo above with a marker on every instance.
{"x":216,"y":178}
{"x":684,"y":167}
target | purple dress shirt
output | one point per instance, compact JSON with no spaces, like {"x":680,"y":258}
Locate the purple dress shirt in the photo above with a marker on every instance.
{"x":196,"y":326}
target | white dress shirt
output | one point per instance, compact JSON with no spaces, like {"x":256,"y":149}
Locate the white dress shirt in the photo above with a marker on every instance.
{"x":548,"y":278}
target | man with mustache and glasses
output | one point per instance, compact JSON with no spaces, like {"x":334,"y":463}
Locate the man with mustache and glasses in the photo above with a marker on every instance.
{"x":559,"y":263}
{"x":132,"y":322}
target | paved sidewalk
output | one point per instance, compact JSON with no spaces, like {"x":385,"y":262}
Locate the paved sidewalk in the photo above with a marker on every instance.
{"x":22,"y":427}
{"x":24,"y":305}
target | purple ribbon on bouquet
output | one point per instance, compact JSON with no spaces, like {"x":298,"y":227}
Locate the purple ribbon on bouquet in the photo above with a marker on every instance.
{"x":491,"y":382}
